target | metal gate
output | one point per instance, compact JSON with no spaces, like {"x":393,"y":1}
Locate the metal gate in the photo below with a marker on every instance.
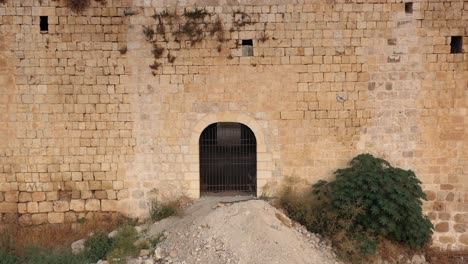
{"x":228,"y":159}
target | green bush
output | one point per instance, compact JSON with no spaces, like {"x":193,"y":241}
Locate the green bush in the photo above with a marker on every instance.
{"x":37,"y":255}
{"x":7,"y":258}
{"x":390,"y":200}
{"x":366,"y":203}
{"x":124,"y":245}
{"x":159,"y":211}
{"x":97,"y":247}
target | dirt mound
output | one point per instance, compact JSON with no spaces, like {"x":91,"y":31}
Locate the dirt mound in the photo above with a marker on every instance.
{"x":226,"y":230}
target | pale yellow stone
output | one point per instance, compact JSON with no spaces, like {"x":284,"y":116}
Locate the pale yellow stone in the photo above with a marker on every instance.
{"x":12,"y":196}
{"x":38,"y":196}
{"x":24,"y":197}
{"x":32,"y":207}
{"x":38,"y":219}
{"x":109,"y":205}
{"x":61,"y":206}
{"x":55,"y":218}
{"x":92,"y":205}
{"x":77,"y":205}
{"x":45,"y":207}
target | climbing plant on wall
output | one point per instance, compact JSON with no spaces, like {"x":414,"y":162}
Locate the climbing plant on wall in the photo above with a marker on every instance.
{"x":79,"y":6}
{"x":193,"y":25}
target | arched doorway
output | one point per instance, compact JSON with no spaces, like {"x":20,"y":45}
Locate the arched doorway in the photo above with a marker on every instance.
{"x":228,"y":159}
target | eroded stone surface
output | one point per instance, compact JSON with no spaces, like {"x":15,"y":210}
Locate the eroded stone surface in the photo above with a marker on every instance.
{"x":87,"y":127}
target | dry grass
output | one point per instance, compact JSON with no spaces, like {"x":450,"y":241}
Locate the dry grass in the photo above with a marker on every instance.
{"x":15,"y":238}
{"x":393,"y":252}
{"x":447,"y":257}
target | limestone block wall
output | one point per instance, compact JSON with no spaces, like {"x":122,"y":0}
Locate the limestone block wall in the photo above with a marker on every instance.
{"x":88,"y":126}
{"x":66,"y":124}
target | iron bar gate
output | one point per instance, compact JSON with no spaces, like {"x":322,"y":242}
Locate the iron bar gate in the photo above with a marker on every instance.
{"x":228,"y":159}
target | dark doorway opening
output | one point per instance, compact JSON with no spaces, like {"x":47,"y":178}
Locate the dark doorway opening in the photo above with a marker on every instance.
{"x":228,"y":159}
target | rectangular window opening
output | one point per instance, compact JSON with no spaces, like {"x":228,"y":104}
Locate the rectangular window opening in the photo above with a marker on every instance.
{"x":456,"y":44}
{"x":247,"y":48}
{"x":44,"y":24}
{"x":409,"y":8}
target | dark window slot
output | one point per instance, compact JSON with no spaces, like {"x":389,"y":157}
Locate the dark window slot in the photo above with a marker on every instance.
{"x":456,"y":44}
{"x":247,"y":48}
{"x":409,"y":8}
{"x":44,"y":24}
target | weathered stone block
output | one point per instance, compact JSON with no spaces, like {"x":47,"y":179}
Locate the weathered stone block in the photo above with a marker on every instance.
{"x":460,"y":228}
{"x":442,"y":227}
{"x":292,"y":115}
{"x":38,"y":196}
{"x":77,"y":205}
{"x":431,"y":195}
{"x":461,"y":218}
{"x":24,"y":197}
{"x":61,"y":206}
{"x":52,"y":196}
{"x":109,"y":205}
{"x":32,"y":207}
{"x":446,"y":239}
{"x":22,"y":208}
{"x":38,"y":219}
{"x":100,"y":195}
{"x":86,"y":194}
{"x":444,"y":216}
{"x":25,"y":220}
{"x":122,"y":194}
{"x":463,"y":239}
{"x":92,"y":205}
{"x":70,"y":217}
{"x":56,"y":218}
{"x":12,"y":196}
{"x":45,"y":207}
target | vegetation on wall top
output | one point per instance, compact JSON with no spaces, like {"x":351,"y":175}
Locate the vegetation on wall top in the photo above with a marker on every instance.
{"x":79,"y":6}
{"x":194,"y":26}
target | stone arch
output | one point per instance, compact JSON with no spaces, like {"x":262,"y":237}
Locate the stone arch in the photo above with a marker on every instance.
{"x":264,"y":158}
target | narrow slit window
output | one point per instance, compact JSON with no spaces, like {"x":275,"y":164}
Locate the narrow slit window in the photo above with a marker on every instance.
{"x":247,"y":48}
{"x":456,"y":44}
{"x":44,"y":24}
{"x":409,"y":8}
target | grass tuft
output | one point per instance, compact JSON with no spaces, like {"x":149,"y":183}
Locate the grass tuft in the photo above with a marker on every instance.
{"x":97,"y":247}
{"x":159,"y":210}
{"x":123,"y":245}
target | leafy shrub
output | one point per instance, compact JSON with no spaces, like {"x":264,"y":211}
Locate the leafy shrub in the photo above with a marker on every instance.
{"x":124,"y":244}
{"x":390,"y":198}
{"x":97,"y":247}
{"x":7,"y":258}
{"x":366,"y":203}
{"x":159,"y":211}
{"x":7,"y":240}
{"x":37,"y":255}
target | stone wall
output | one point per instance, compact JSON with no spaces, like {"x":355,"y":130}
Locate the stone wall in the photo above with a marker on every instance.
{"x":87,"y":126}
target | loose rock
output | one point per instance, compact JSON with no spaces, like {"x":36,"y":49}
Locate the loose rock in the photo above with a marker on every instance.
{"x":216,"y":231}
{"x":78,"y":246}
{"x":144,"y":252}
